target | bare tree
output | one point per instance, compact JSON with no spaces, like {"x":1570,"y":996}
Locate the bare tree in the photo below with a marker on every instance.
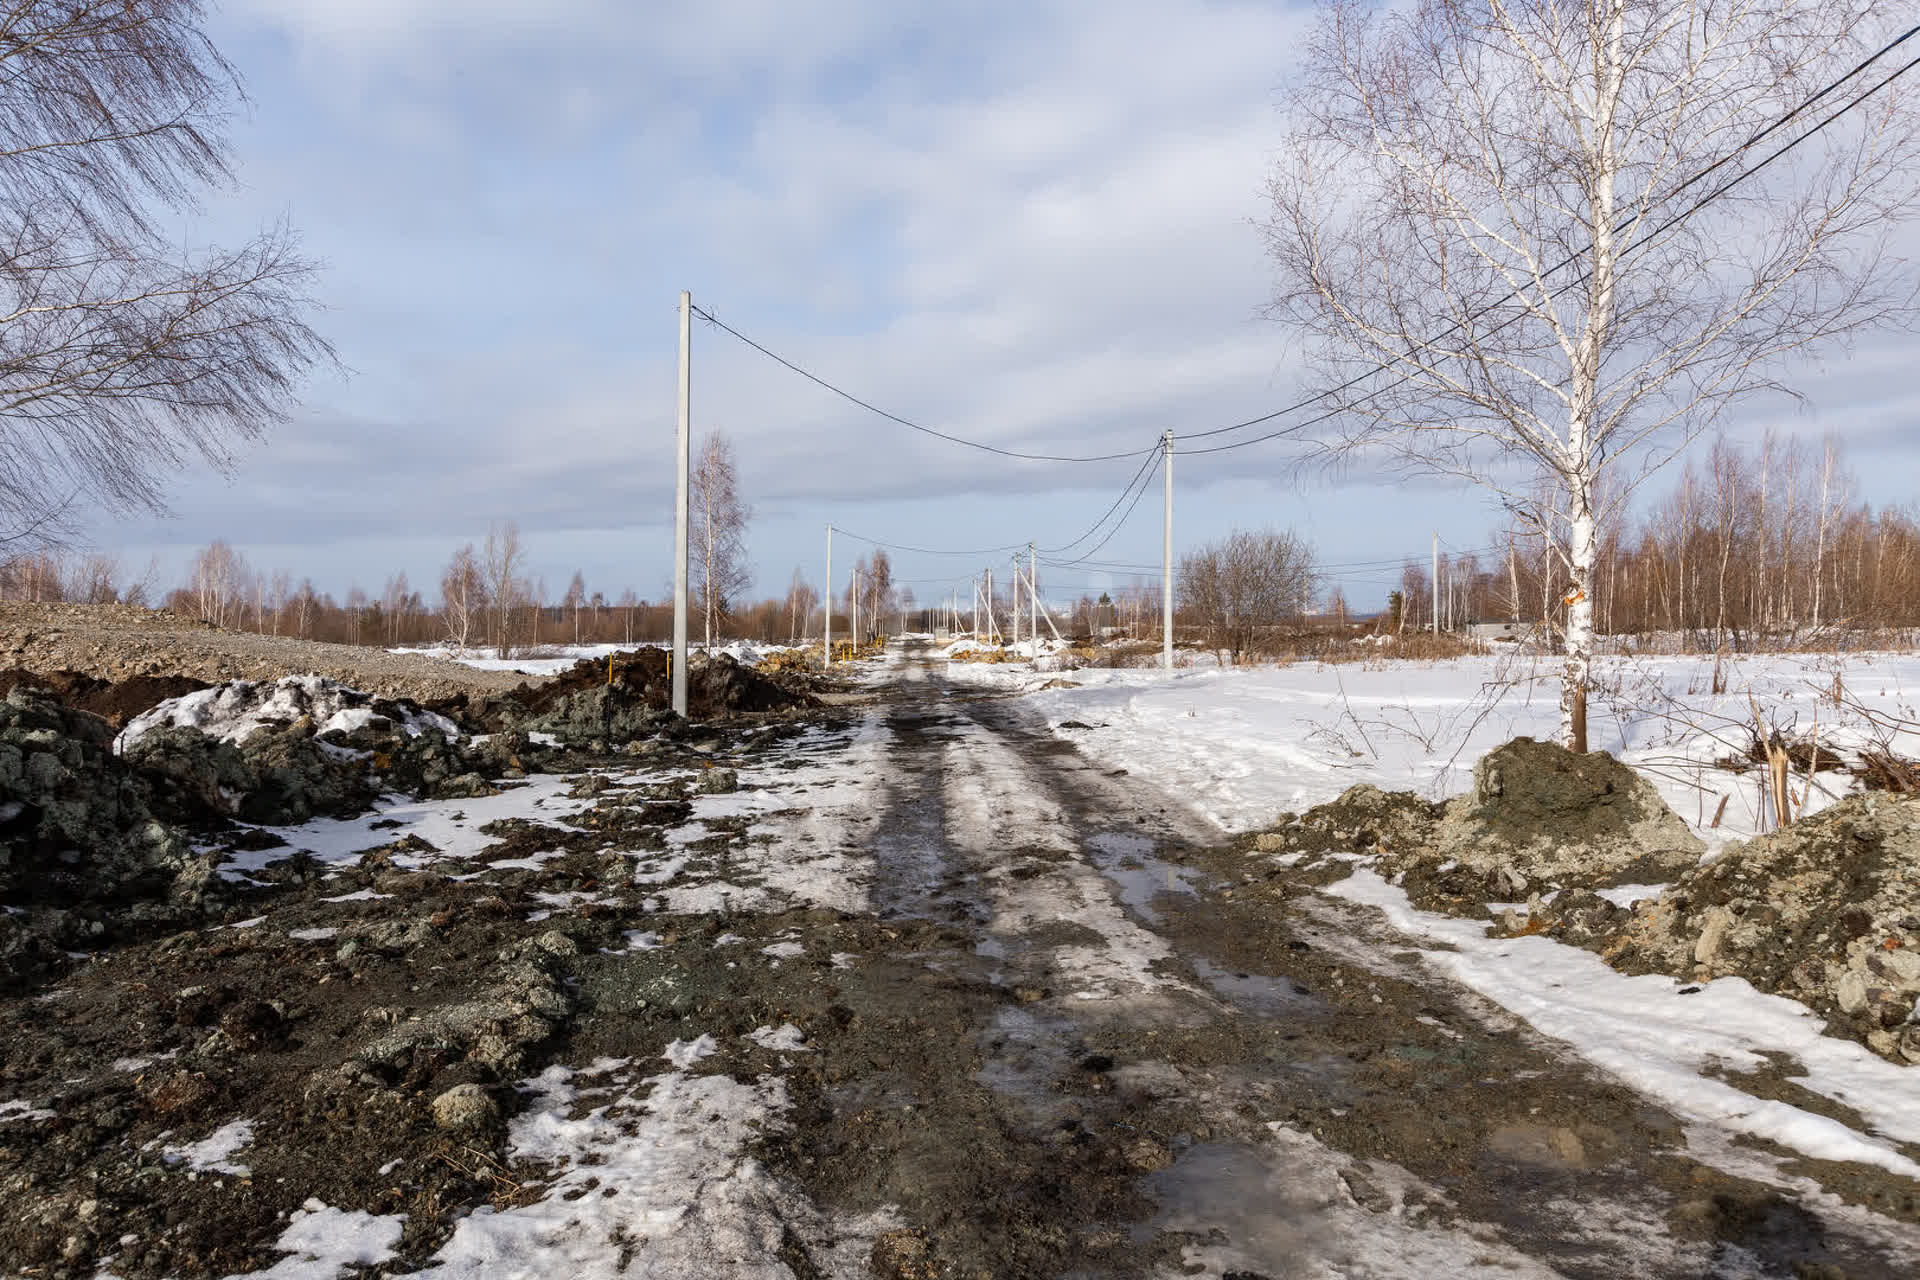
{"x":576,"y":600}
{"x":802,"y":599}
{"x":1493,"y":203}
{"x":395,"y":599}
{"x":506,"y":590}
{"x":720,"y":516}
{"x":305,"y":605}
{"x":219,"y":583}
{"x":1240,"y":589}
{"x":121,"y":358}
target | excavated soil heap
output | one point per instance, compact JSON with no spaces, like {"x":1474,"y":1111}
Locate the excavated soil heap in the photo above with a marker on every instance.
{"x":1538,"y":819}
{"x":1826,"y":911}
{"x":582,"y":702}
{"x":115,"y":701}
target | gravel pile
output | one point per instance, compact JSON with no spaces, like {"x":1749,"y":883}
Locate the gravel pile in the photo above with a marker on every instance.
{"x":114,"y":643}
{"x":1538,"y":821}
{"x":1826,"y":911}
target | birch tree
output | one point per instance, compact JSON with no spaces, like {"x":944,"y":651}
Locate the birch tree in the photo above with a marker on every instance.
{"x":720,"y":516}
{"x":505,"y":588}
{"x":123,"y":354}
{"x":1493,"y":201}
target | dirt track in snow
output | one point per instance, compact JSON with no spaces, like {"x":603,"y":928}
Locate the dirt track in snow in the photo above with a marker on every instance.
{"x":930,"y":996}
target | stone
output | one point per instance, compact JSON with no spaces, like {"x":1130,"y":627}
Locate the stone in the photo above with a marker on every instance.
{"x":1850,"y":993}
{"x":1147,"y":1156}
{"x":1550,"y":1147}
{"x":1901,"y":967}
{"x":464,"y":1109}
{"x":715,"y":782}
{"x":1717,"y":922}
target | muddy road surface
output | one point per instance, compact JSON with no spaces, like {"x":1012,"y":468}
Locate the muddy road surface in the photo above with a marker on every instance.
{"x":912,"y":991}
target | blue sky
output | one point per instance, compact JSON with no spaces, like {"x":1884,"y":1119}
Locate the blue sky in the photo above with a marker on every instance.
{"x":1031,"y":224}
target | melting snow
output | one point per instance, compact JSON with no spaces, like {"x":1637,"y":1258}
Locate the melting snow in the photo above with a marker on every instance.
{"x":785,"y":1038}
{"x":323,"y":1242}
{"x":214,"y":1153}
{"x":1642,"y":1030}
{"x":234,"y":710}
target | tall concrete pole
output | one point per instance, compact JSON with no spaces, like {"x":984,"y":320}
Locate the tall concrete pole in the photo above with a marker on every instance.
{"x":1033,"y":599}
{"x":856,"y":613}
{"x":680,"y":508}
{"x":827,"y":595}
{"x":1166,"y":565}
{"x":1436,"y":582}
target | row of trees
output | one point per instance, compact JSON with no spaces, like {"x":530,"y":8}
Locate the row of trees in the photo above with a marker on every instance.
{"x":1765,"y":541}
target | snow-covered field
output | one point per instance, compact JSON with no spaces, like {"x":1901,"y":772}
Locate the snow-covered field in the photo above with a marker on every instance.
{"x":1241,"y":745}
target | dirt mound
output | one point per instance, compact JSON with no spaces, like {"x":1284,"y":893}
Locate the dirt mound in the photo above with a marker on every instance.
{"x":1540,"y":818}
{"x":1826,"y":911}
{"x":78,"y":841}
{"x":237,"y":709}
{"x":116,"y":702}
{"x":628,"y":694}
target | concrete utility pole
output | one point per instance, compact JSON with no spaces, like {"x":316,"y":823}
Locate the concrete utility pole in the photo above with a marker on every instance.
{"x":993,"y":628}
{"x":680,"y":506}
{"x":1015,"y":622}
{"x":827,"y":595}
{"x":1033,"y":599}
{"x":1166,"y":566}
{"x":856,"y":613}
{"x":1436,"y":582}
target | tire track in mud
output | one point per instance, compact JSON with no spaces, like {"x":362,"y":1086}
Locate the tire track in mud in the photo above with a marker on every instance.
{"x":1143,"y":1067}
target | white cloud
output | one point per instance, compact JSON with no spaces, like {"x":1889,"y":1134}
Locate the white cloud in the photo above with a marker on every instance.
{"x":1030,"y":224}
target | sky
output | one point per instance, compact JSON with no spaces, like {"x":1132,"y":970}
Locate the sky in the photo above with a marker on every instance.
{"x":1034,"y":225}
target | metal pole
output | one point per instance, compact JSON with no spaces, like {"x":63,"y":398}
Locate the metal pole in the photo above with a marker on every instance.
{"x":828,"y":596}
{"x":1166,"y":565}
{"x":680,"y":506}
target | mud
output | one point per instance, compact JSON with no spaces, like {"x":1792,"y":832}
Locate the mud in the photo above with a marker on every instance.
{"x":115,"y":701}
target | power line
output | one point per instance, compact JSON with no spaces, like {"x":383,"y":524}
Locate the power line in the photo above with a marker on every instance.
{"x":929,"y":551}
{"x":1574,"y":257}
{"x":870,"y":407}
{"x":1145,"y":484}
{"x":1146,"y":463}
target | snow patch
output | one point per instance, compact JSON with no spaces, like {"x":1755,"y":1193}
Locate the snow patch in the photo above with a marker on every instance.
{"x":214,"y":1153}
{"x":323,"y":1242}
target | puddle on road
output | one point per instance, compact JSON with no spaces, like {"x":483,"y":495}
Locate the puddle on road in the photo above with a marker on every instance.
{"x":1240,"y":1201}
{"x":1257,"y":992}
{"x":1025,"y":1054}
{"x":1126,"y":858}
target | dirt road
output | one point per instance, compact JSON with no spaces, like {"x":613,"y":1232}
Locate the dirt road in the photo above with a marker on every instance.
{"x":911,"y":991}
{"x":1123,"y":1059}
